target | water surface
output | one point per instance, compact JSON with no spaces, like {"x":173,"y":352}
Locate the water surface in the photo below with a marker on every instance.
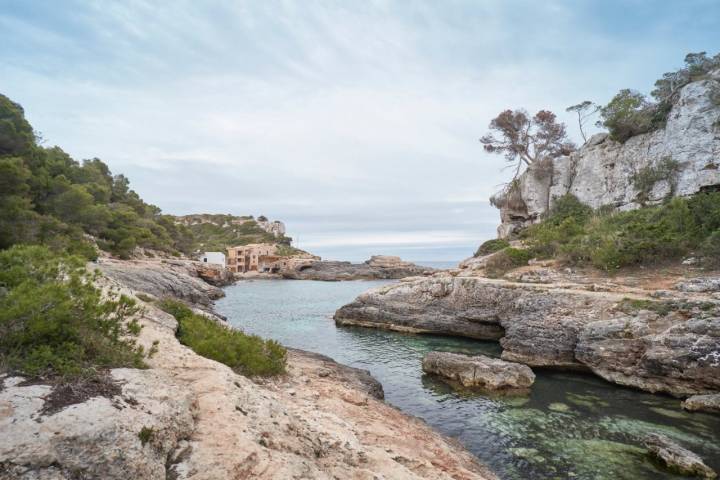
{"x":570,"y":427}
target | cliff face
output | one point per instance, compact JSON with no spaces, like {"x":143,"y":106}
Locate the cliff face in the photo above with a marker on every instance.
{"x":604,"y":172}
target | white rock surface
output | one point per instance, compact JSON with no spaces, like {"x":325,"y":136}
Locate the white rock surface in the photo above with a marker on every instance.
{"x":600,"y":173}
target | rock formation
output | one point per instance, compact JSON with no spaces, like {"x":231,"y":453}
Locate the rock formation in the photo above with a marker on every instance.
{"x":479,"y":371}
{"x":677,"y":458}
{"x":619,"y":332}
{"x":188,"y":417}
{"x":703,"y":403}
{"x":602,"y":172}
{"x":379,"y":267}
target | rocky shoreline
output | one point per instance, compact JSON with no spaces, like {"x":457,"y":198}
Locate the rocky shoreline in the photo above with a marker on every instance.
{"x":656,"y":340}
{"x":187,"y":417}
{"x":378,"y":267}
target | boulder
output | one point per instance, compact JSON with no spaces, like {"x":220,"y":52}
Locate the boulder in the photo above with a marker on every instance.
{"x":479,"y":371}
{"x":704,"y":403}
{"x":677,"y":458}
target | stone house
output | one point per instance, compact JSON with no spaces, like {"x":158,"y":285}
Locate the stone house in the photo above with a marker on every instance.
{"x":257,"y":257}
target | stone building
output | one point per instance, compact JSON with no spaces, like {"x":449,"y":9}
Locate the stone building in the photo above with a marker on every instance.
{"x":257,"y":257}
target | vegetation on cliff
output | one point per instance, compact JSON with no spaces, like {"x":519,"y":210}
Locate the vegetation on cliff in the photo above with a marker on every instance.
{"x":217,"y":232}
{"x":248,"y":354}
{"x":46,"y":197}
{"x":610,"y":240}
{"x":54,"y":322}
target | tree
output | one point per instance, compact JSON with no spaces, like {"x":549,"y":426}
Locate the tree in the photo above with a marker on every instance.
{"x":524,"y":139}
{"x":584,"y":111}
{"x":628,"y":114}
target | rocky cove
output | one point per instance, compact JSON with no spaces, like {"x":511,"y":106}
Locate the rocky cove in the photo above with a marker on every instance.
{"x":190,"y":417}
{"x":571,"y":424}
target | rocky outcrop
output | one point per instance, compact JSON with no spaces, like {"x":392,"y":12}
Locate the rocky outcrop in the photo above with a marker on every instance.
{"x":479,"y":371}
{"x":215,"y":274}
{"x":673,"y":349}
{"x":377,"y":268}
{"x":677,"y":458}
{"x":162,"y":278}
{"x":276,"y":227}
{"x":703,"y":403}
{"x":188,"y":417}
{"x":601,"y":172}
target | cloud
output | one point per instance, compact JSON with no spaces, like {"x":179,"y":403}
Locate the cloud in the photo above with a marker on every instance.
{"x":352,"y":122}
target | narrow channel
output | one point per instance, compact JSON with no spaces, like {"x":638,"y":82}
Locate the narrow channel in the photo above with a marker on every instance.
{"x":570,"y":426}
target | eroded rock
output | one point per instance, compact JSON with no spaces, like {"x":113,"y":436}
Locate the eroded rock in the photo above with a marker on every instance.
{"x":557,"y":325}
{"x":677,"y":458}
{"x":703,"y":403}
{"x":479,"y":371}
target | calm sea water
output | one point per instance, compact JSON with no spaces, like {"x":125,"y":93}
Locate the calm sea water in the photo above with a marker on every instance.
{"x":570,"y":427}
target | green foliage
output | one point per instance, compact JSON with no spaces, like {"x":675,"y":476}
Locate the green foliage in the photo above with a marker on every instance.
{"x":46,"y":197}
{"x":505,"y":260}
{"x":16,"y":134}
{"x":630,"y":113}
{"x":647,"y":177}
{"x":146,"y":435}
{"x":491,"y":246}
{"x":248,"y":354}
{"x":218,"y":232}
{"x":618,"y":239}
{"x":54,"y":322}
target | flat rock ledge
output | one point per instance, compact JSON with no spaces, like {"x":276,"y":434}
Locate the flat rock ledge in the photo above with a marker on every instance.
{"x":479,"y":371}
{"x":378,"y":267}
{"x":677,"y":458}
{"x":623,"y":336}
{"x":703,"y":403}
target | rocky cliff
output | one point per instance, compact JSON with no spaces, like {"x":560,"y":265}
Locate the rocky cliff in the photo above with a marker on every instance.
{"x":681,"y":159}
{"x":188,"y":417}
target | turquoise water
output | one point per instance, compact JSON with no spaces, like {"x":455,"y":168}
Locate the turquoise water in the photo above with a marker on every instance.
{"x":570,"y":427}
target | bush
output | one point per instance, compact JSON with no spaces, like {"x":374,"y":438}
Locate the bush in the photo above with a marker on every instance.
{"x":54,"y":322}
{"x":647,"y":177}
{"x":491,"y":246}
{"x":248,"y":354}
{"x":613,"y":240}
{"x":505,"y":260}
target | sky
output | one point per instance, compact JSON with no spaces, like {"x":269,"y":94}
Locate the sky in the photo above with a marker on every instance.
{"x":354,"y":122}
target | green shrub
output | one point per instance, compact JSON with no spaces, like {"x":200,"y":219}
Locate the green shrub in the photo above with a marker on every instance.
{"x":491,"y":246}
{"x":248,"y":354}
{"x":648,"y":235}
{"x":506,"y":260}
{"x":146,"y":435}
{"x":647,"y":177}
{"x":54,"y":322}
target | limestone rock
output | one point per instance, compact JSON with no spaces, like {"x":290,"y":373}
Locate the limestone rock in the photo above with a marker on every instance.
{"x":377,"y":268}
{"x":703,"y":403}
{"x":164,"y":278}
{"x":677,"y":458}
{"x":701,"y":284}
{"x":556,"y":325}
{"x":203,"y":421}
{"x":479,"y":371}
{"x":215,"y":274}
{"x":600,"y":173}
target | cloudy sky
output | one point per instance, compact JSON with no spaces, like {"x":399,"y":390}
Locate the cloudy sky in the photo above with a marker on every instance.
{"x":355,"y":122}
